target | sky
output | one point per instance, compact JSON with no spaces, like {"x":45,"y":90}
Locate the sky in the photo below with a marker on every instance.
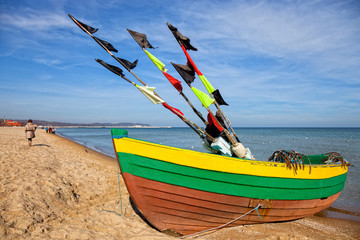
{"x":276,"y":63}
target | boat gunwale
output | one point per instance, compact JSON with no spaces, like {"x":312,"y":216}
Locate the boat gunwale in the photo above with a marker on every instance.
{"x":281,"y":169}
{"x":229,"y":183}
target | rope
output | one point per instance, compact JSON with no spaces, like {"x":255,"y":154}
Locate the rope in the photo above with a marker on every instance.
{"x":224,"y":225}
{"x":119,"y":194}
{"x":118,"y":171}
{"x":258,"y":211}
{"x":111,"y":212}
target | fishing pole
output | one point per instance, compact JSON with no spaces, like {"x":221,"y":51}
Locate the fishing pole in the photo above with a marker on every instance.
{"x":209,"y":88}
{"x":105,"y":45}
{"x":102,"y":43}
{"x":177,"y":112}
{"x":182,"y":40}
{"x":203,"y":97}
{"x":141,"y":39}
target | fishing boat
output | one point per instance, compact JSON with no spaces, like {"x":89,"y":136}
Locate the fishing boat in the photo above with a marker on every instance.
{"x":188,"y":192}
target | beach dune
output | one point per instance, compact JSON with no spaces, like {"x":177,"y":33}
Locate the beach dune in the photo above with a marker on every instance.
{"x":59,"y":189}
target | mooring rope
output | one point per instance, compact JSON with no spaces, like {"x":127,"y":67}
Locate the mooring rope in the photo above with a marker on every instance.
{"x":224,"y":225}
{"x":118,"y":172}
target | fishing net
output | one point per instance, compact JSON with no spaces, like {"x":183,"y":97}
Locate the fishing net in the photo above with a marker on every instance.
{"x":293,"y":159}
{"x":334,"y":157}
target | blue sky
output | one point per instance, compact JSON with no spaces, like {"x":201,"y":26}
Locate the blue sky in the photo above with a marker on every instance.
{"x":277,"y":63}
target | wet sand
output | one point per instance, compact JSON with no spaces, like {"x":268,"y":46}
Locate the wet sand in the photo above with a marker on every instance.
{"x":59,"y":189}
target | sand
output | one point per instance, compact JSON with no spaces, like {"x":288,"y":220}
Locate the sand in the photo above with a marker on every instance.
{"x":59,"y":189}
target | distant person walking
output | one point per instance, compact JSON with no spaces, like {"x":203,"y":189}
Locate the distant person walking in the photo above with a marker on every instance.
{"x":30,"y":131}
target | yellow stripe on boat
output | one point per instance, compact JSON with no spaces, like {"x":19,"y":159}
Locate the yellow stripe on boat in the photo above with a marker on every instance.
{"x":223,"y":164}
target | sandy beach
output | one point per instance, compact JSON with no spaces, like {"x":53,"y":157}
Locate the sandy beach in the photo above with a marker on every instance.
{"x":59,"y":189}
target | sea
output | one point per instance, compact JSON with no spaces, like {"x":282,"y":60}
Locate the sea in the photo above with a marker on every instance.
{"x":262,"y":142}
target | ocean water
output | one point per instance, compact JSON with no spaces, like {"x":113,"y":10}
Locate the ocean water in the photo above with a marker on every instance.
{"x":262,"y":143}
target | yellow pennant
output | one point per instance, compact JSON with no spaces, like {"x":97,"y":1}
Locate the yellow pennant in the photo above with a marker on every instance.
{"x":156,"y":61}
{"x":207,"y":84}
{"x":203,"y":97}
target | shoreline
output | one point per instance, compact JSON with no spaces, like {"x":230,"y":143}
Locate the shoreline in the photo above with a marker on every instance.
{"x":61,"y":189}
{"x":88,"y":149}
{"x":96,"y":150}
{"x":136,"y":126}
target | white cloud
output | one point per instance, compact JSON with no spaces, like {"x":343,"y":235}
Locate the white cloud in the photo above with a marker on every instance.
{"x":315,"y":34}
{"x":33,"y":20}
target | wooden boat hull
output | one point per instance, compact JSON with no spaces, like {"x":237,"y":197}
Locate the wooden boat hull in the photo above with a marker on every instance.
{"x":186,"y":210}
{"x":188,"y":191}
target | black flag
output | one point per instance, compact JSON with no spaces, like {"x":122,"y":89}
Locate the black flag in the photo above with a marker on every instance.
{"x":186,"y":72}
{"x":219,"y":99}
{"x":128,"y":65}
{"x":185,"y":41}
{"x":87,"y":27}
{"x":140,"y":38}
{"x":106,"y":44}
{"x":112,"y":68}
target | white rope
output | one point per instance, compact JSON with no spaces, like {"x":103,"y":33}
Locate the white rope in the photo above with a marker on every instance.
{"x":221,"y":226}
